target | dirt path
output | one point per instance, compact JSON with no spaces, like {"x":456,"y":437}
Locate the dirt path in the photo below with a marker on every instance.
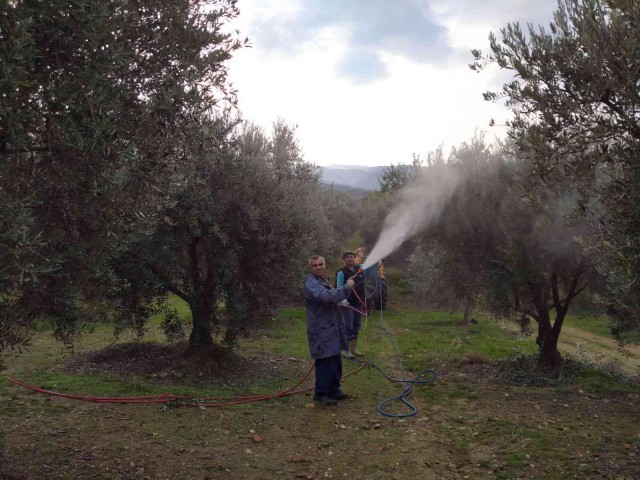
{"x":600,"y":349}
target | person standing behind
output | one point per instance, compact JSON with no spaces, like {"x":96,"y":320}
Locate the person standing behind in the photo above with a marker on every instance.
{"x":325,"y":330}
{"x":352,"y":318}
{"x":361,"y":256}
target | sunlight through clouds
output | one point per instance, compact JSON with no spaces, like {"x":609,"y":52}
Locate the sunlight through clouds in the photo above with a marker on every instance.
{"x":372,"y":82}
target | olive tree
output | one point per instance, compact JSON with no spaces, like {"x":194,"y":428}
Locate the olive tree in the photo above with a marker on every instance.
{"x":502,"y":248}
{"x":343,"y":212}
{"x":575,"y":98}
{"x":232,"y":242}
{"x":397,"y":176}
{"x":94,"y":98}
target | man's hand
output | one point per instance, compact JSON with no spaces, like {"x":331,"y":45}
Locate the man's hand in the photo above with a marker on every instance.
{"x":351,"y":282}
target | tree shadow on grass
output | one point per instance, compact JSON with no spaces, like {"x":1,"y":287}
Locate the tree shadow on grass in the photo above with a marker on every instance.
{"x":178,"y":364}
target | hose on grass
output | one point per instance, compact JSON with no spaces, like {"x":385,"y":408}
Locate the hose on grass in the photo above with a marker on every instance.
{"x":178,"y":400}
{"x":409,"y":383}
{"x":173,"y":400}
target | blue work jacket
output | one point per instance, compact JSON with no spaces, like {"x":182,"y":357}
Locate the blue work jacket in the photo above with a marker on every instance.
{"x":325,"y":327}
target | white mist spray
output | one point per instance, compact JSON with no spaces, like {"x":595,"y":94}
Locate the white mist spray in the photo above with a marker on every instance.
{"x":421,"y":203}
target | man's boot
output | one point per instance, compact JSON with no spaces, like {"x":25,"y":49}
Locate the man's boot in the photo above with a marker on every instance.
{"x":353,"y":349}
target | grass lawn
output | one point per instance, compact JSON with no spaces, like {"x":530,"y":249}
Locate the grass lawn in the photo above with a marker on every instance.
{"x":481,"y":418}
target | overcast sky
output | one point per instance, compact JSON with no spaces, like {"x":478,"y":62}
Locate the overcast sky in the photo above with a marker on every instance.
{"x":371,"y":82}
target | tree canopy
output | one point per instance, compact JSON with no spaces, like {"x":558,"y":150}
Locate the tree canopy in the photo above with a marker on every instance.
{"x":575,"y":97}
{"x":95,"y":99}
{"x":235,"y":234}
{"x":499,"y":247}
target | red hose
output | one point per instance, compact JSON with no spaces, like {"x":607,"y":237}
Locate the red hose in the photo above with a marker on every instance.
{"x":169,"y":397}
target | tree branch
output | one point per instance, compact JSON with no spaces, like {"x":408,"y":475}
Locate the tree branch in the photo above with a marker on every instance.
{"x":633,"y":127}
{"x":554,"y":289}
{"x":168,"y":285}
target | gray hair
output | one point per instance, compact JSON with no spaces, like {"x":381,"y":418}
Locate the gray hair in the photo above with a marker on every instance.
{"x":314,"y":258}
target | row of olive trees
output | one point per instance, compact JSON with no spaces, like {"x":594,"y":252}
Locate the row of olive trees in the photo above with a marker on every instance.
{"x":124,"y":176}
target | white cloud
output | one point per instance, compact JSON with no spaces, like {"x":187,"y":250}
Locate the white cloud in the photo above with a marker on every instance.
{"x":412,"y":108}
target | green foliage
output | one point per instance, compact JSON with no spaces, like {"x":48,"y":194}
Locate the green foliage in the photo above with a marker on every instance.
{"x":96,"y":100}
{"x":375,"y":208}
{"x":575,"y":106}
{"x":343,"y":213}
{"x":173,"y":326}
{"x":499,"y":249}
{"x":456,"y":264}
{"x":515,"y":460}
{"x":249,"y":210}
{"x":355,"y":193}
{"x":397,"y":176}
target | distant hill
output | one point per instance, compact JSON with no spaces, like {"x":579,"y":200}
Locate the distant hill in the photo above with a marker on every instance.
{"x":366,"y":178}
{"x":354,"y":192}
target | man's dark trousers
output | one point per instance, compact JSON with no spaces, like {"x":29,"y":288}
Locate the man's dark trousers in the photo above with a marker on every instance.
{"x":328,"y":375}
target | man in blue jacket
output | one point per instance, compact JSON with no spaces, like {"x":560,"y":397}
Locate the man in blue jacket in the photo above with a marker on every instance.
{"x":325,"y":330}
